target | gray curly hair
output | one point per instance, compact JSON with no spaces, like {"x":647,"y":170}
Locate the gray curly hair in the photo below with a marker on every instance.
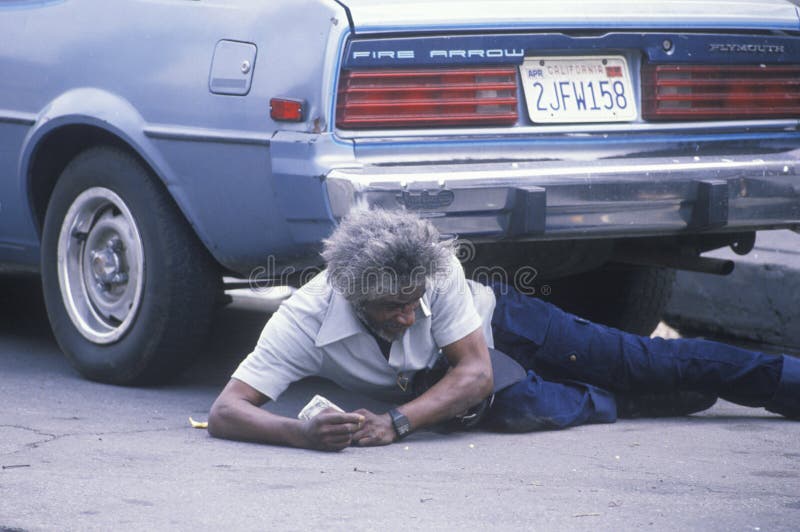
{"x":377,"y":252}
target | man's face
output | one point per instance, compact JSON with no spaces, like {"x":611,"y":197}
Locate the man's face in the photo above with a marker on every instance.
{"x":390,"y":315}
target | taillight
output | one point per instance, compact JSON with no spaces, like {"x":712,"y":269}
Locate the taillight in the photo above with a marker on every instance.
{"x":694,"y":92}
{"x":440,"y":98}
{"x":286,"y":110}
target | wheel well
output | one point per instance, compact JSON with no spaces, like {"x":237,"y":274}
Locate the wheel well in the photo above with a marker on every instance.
{"x":53,"y":154}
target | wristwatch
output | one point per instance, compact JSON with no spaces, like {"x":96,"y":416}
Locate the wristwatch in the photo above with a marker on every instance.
{"x":400,"y":422}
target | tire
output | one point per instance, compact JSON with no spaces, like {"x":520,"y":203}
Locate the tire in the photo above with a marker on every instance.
{"x":629,"y":298}
{"x":128,"y":287}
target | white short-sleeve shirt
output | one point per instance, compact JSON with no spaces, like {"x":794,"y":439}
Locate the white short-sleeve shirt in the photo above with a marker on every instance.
{"x":316,"y":333}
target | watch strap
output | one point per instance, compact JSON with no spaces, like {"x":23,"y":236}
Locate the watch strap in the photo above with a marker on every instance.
{"x":400,"y":423}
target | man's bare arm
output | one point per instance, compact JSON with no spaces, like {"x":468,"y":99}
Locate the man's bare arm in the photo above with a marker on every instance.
{"x":236,"y":415}
{"x":466,"y":384}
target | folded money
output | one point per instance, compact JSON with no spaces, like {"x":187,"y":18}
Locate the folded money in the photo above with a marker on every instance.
{"x":316,"y":405}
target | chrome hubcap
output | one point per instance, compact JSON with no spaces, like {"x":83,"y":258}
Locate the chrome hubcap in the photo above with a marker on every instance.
{"x":100,"y":265}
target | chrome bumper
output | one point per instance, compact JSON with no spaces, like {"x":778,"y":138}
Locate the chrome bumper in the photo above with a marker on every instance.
{"x":575,"y":199}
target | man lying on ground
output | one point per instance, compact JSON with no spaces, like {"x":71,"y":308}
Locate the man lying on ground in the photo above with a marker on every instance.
{"x":394,"y":317}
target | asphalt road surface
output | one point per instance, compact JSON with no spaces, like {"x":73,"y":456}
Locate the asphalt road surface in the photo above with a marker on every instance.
{"x":77,"y":455}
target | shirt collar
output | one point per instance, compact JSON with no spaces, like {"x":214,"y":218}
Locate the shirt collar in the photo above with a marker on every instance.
{"x":341,"y":322}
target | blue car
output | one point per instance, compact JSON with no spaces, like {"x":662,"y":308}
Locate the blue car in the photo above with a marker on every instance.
{"x":581,"y":150}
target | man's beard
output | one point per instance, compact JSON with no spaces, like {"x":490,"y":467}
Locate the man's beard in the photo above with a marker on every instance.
{"x":372,"y":326}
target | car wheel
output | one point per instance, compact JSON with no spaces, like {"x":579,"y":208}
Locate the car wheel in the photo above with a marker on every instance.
{"x":629,"y":298}
{"x":128,"y":287}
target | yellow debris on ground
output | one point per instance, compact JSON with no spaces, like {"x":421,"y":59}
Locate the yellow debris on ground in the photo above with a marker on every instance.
{"x":198,"y":424}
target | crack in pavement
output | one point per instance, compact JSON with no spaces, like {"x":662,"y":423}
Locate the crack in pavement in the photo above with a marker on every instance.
{"x":50,"y":437}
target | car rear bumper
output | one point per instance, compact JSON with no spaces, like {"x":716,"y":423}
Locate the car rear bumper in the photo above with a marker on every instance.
{"x":553,"y":200}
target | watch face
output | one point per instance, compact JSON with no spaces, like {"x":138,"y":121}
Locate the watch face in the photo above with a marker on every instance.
{"x":403,"y":428}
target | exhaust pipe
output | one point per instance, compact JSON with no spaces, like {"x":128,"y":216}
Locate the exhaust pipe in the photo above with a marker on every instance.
{"x":690,"y":263}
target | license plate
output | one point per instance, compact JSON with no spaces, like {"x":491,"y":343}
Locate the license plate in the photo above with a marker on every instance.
{"x":578,"y":89}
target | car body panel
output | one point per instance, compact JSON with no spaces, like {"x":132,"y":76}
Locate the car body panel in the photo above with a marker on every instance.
{"x":129,"y":75}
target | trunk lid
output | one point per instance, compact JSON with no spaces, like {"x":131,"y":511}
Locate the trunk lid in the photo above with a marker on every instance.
{"x":395,"y":16}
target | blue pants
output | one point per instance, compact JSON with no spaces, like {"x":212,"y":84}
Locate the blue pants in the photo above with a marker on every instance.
{"x":575,"y":367}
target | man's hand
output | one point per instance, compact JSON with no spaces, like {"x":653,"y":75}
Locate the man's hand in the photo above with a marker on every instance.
{"x":236,"y":415}
{"x":331,"y":430}
{"x":377,"y":430}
